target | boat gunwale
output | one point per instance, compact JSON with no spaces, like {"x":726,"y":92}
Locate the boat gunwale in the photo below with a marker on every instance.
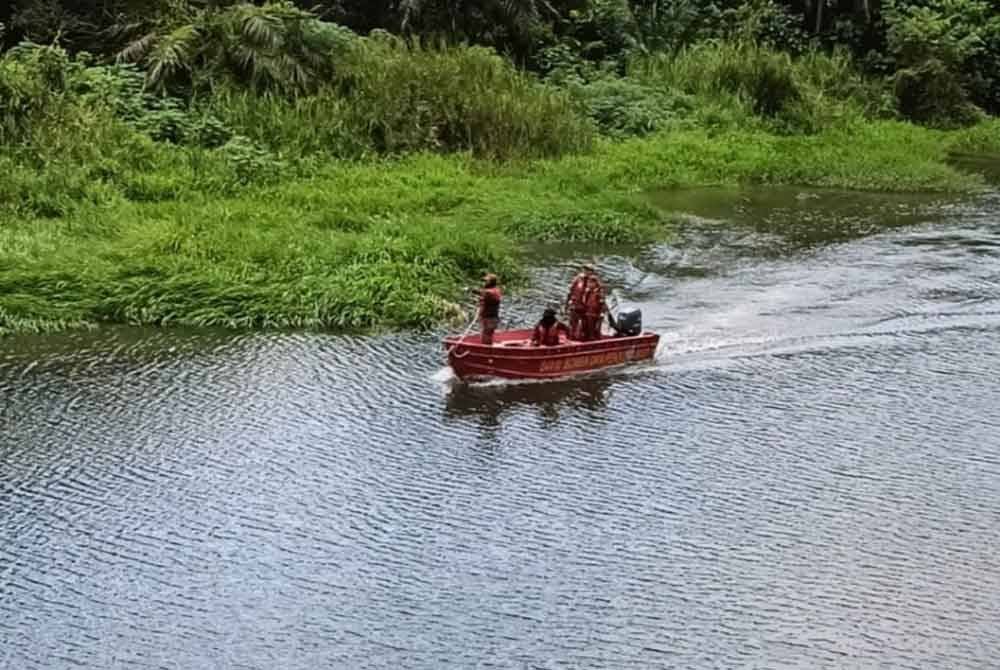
{"x":477,"y":361}
{"x":564,"y":349}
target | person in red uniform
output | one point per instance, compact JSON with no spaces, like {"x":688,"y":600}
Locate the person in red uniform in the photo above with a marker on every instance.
{"x":593,"y":309}
{"x":547,"y":330}
{"x":574,"y":301}
{"x":489,"y":308}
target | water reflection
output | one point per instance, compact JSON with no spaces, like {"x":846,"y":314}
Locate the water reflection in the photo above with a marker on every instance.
{"x":550,"y":399}
{"x":784,"y":220}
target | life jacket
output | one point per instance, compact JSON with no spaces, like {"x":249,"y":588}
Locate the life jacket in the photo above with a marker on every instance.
{"x":547,"y":336}
{"x":577,"y":290}
{"x":593,"y":302}
{"x":489,"y":303}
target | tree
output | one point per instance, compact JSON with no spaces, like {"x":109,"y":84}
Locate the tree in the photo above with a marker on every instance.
{"x":272,"y":48}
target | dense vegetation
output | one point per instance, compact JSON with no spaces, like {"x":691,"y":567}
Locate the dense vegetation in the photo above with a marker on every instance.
{"x":939,"y":57}
{"x":349,"y":166}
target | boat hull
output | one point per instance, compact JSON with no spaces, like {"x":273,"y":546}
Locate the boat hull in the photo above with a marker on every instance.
{"x":512,"y":356}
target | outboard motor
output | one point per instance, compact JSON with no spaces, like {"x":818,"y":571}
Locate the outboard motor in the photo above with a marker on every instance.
{"x":629,"y":321}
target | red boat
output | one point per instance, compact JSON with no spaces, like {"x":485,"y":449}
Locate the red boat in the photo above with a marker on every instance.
{"x":512,"y":356}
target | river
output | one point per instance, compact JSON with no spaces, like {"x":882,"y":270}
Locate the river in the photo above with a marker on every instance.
{"x":808,"y":476}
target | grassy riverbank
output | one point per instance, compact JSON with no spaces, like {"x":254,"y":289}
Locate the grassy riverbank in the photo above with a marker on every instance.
{"x":390,"y":243}
{"x":261,"y":168}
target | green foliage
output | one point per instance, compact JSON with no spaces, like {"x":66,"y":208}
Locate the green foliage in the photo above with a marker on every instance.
{"x":388,"y":243}
{"x":279,"y":47}
{"x":625,"y":108}
{"x":402,"y":98}
{"x":30,"y":81}
{"x":250,"y":162}
{"x":982,"y":139}
{"x":667,"y":27}
{"x":76,"y":133}
{"x":272,"y":48}
{"x":947,"y":54}
{"x":601,"y":30}
{"x":393,"y":98}
{"x":931,"y":93}
{"x":759,"y":78}
{"x":763,"y":22}
{"x":248,"y":165}
{"x":803,"y":94}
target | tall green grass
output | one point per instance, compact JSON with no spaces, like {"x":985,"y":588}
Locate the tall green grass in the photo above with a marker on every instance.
{"x":392,"y":98}
{"x":980,"y":139}
{"x":95,"y":137}
{"x":390,"y":243}
{"x":806,"y":93}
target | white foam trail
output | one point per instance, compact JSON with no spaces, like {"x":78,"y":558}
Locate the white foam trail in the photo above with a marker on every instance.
{"x":444,"y":375}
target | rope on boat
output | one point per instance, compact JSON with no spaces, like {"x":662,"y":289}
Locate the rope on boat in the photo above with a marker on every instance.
{"x":462,"y":337}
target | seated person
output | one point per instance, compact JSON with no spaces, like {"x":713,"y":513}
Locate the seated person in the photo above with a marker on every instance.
{"x":547,"y":330}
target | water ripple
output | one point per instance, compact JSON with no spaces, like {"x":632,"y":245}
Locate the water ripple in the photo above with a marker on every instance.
{"x":805,"y":477}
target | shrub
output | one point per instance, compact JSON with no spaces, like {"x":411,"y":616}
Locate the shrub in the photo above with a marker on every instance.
{"x":31,"y":79}
{"x":249,"y":162}
{"x":403,"y":98}
{"x":936,"y":47}
{"x":930,"y":93}
{"x":271,"y":48}
{"x":793,"y":94}
{"x":760,"y":78}
{"x":625,"y":108}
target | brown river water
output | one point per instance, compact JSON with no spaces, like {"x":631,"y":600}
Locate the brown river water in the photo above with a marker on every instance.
{"x":808,"y":476}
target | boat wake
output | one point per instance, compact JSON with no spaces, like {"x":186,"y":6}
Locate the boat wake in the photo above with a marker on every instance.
{"x":689,"y":350}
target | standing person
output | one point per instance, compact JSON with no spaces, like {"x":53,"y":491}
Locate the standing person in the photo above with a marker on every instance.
{"x":547,"y":330}
{"x":574,"y":301}
{"x":489,"y":308}
{"x":593,"y":309}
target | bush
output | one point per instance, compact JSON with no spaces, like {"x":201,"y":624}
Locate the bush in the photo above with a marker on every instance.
{"x":801,"y":94}
{"x":625,"y":108}
{"x":407,"y":98}
{"x":936,"y":48}
{"x":272,"y":48}
{"x":251,"y":163}
{"x":930,"y":93}
{"x":31,"y":79}
{"x":164,"y":118}
{"x":388,"y":97}
{"x":760,"y":78}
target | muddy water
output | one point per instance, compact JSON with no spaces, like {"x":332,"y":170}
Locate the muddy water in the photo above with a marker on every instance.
{"x":809,"y":476}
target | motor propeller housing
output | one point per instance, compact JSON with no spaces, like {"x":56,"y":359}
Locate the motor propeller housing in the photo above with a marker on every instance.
{"x":628,"y":322}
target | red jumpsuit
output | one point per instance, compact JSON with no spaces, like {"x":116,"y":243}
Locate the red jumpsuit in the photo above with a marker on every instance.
{"x":574,"y":303}
{"x":593,"y":311}
{"x":489,"y":313}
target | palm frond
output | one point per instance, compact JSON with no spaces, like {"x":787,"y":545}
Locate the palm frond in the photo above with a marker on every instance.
{"x":136,"y":50}
{"x":409,"y":10}
{"x":172,"y":53}
{"x":519,"y":8}
{"x":262,"y":29}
